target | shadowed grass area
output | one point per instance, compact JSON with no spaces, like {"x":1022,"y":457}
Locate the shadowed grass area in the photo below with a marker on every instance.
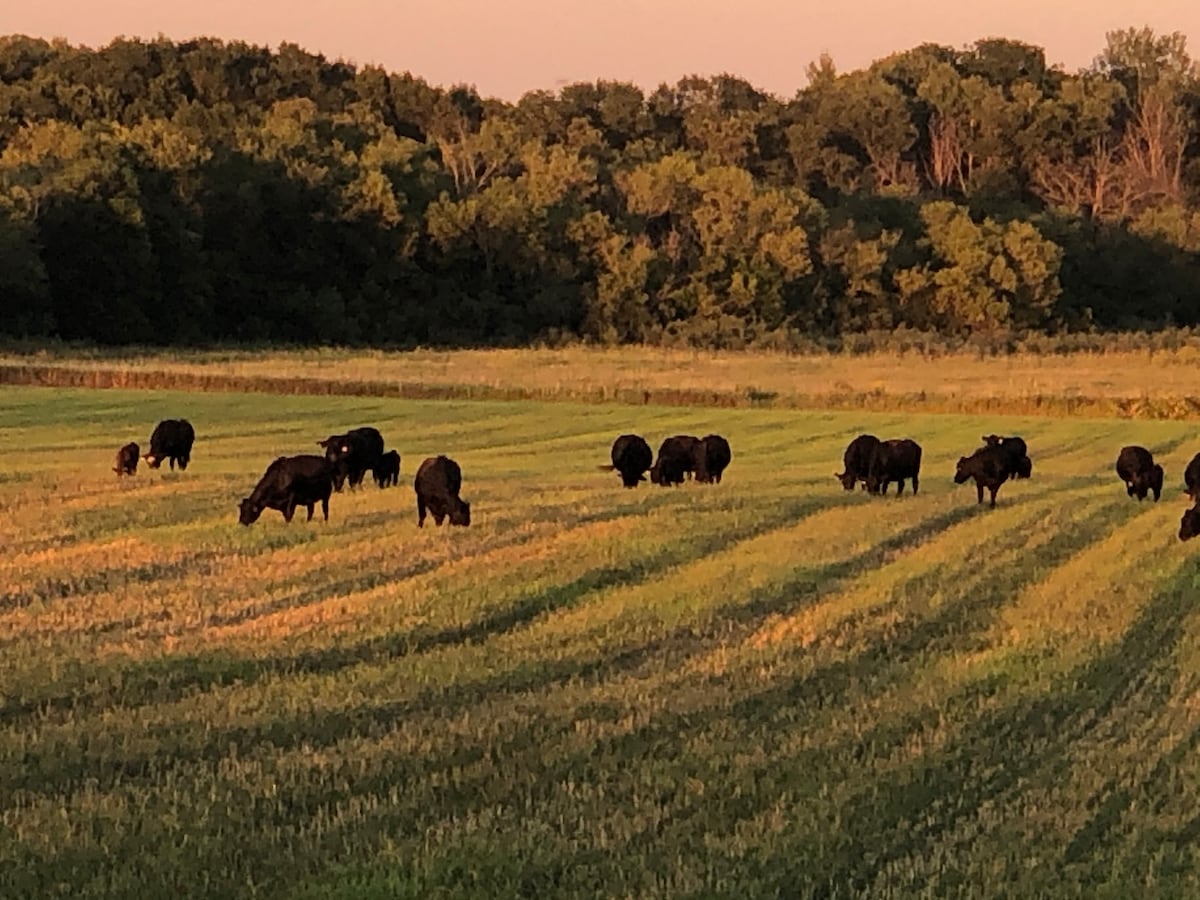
{"x":768,"y":687}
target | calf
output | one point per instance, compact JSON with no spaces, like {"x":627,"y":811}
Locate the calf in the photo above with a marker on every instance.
{"x":857,"y":461}
{"x":1191,"y":478}
{"x":1022,"y":466}
{"x":990,"y":466}
{"x":1141,"y":474}
{"x":676,"y":458}
{"x":387,"y":470}
{"x":631,"y":458}
{"x":353,"y":454}
{"x":894,"y":460}
{"x":172,"y":440}
{"x":289,"y":482}
{"x":127,"y":460}
{"x":712,"y":458}
{"x":437,"y":484}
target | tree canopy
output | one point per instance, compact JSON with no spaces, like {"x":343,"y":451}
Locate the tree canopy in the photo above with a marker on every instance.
{"x":209,"y":191}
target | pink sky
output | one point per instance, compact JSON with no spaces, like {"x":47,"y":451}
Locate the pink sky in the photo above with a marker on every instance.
{"x":507,"y":47}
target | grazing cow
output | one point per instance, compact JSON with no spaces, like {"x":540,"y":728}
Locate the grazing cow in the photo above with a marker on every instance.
{"x":631,"y":457}
{"x":1189,"y":525}
{"x":289,"y":482}
{"x":353,"y":454}
{"x":172,"y":440}
{"x":1139,"y":471}
{"x":1191,"y":478}
{"x":387,"y":470}
{"x":1022,"y":466}
{"x":127,"y":460}
{"x":894,"y":460}
{"x":990,"y":466}
{"x":857,"y":461}
{"x":676,"y":458}
{"x":712,"y":458}
{"x":437,"y":485}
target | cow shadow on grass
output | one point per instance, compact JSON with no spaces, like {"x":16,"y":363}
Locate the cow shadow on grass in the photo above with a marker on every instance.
{"x":171,"y":679}
{"x":761,"y":718}
{"x":168,"y":679}
{"x":756,"y":717}
{"x":849,"y":857}
{"x":1000,"y":753}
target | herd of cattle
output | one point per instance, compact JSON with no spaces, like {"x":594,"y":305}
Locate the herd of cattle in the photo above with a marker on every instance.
{"x":306,"y":480}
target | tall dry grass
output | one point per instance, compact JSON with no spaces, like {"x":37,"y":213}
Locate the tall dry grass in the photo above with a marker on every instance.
{"x":1132,"y":383}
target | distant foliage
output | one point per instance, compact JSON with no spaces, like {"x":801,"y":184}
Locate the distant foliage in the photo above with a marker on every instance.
{"x":209,"y":192}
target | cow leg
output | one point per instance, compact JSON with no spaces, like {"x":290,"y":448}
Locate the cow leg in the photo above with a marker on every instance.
{"x":325,"y":508}
{"x":171,"y":460}
{"x":310,"y":512}
{"x":899,"y":487}
{"x":915,"y":484}
{"x":438,"y":518}
{"x":289,"y":510}
{"x":979,"y":491}
{"x":420,"y":513}
{"x":993,"y":493}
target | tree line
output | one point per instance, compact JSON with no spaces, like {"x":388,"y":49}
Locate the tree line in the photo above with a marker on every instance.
{"x":205,"y":191}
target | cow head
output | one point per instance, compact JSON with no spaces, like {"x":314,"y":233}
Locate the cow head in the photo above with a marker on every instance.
{"x":152,"y":461}
{"x":1189,"y":525}
{"x":249,"y":511}
{"x":961,"y":473}
{"x":847,"y":479}
{"x":992,"y":440}
{"x":460,"y":513}
{"x":1024,"y":467}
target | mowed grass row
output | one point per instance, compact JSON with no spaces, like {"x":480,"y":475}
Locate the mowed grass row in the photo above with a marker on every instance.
{"x":766,"y":687}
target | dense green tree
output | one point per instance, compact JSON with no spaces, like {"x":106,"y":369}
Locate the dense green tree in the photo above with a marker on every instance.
{"x":219,"y":191}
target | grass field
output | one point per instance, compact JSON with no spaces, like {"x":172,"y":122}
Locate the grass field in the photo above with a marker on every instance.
{"x":764,"y":688}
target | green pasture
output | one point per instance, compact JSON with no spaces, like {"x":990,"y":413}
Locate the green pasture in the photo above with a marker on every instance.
{"x":764,"y":688}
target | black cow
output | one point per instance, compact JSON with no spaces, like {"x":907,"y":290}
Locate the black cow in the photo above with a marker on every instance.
{"x":631,"y":457}
{"x":676,"y":458}
{"x":857,"y":461}
{"x":1139,"y":471}
{"x":127,"y":460}
{"x":894,"y":460}
{"x":1018,"y":452}
{"x":172,"y":440}
{"x":437,"y":485}
{"x":990,"y":466}
{"x":712,"y":458}
{"x":353,"y":454}
{"x":1191,"y":478}
{"x":1189,"y":525}
{"x":289,"y":482}
{"x":387,"y":470}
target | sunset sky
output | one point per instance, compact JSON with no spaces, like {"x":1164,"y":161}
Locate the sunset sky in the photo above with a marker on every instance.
{"x":507,"y":48}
